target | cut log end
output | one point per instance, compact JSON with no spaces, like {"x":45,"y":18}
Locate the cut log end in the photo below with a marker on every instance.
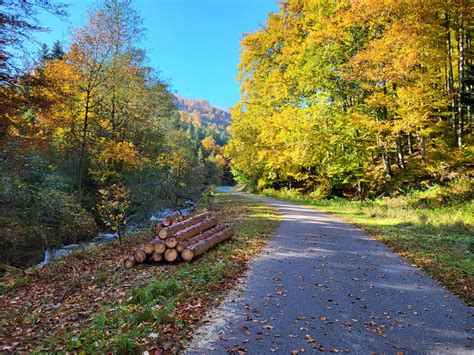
{"x":148,"y":248}
{"x":139,"y":256}
{"x":185,"y":238}
{"x":160,"y":247}
{"x":180,"y":247}
{"x":129,"y":263}
{"x":158,"y":228}
{"x":163,"y":233}
{"x":171,"y":255}
{"x":171,"y":218}
{"x":171,"y":242}
{"x":157,"y":257}
{"x":187,"y":254}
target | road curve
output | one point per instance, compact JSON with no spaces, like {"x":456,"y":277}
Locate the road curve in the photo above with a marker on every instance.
{"x":322,"y":284}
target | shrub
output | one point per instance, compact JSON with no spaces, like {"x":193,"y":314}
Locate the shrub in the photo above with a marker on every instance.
{"x":34,"y":217}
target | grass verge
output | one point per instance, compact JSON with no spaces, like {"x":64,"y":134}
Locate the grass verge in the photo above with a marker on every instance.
{"x":81,"y":304}
{"x":438,"y":238}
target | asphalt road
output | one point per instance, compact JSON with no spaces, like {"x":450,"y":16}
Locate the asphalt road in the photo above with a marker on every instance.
{"x":324,"y":285}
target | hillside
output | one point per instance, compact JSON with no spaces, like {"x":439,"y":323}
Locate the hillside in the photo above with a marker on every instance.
{"x":205,"y":118}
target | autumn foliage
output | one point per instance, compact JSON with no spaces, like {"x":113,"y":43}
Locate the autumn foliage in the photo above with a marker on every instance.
{"x":95,"y":122}
{"x":355,"y":97}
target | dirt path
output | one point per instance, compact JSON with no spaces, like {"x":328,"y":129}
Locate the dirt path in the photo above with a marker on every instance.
{"x":322,"y":284}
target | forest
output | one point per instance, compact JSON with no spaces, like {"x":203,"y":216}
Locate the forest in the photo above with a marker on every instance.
{"x":90,"y":135}
{"x":350,"y":228}
{"x":356,"y":98}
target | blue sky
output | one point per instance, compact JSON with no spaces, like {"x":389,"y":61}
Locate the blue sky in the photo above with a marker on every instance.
{"x":194,"y":44}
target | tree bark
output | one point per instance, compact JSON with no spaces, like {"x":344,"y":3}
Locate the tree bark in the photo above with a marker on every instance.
{"x":400,"y":156}
{"x":410,"y":144}
{"x":450,"y":75}
{"x":460,"y":130}
{"x":82,"y":156}
{"x":197,"y":249}
{"x":194,"y":230}
{"x":169,"y":219}
{"x":422,"y":147}
{"x":163,"y":233}
{"x":204,"y":235}
{"x":386,"y":163}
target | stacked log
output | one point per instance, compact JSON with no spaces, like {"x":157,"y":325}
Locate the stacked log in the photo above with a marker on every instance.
{"x":163,"y":233}
{"x":185,"y":237}
{"x":200,"y":247}
{"x":172,"y":218}
{"x":194,"y":230}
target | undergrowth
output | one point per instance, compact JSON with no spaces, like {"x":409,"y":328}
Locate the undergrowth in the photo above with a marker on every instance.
{"x":166,"y":302}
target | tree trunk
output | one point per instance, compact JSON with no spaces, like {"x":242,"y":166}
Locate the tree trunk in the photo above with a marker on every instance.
{"x":83,"y":146}
{"x":400,"y":156}
{"x":204,"y":235}
{"x":187,"y":242}
{"x":386,"y":163}
{"x":180,"y":247}
{"x":469,"y":64}
{"x":460,"y":130}
{"x":410,"y":144}
{"x":194,"y":230}
{"x":422,"y":148}
{"x":449,"y":72}
{"x":163,"y":233}
{"x":197,"y":249}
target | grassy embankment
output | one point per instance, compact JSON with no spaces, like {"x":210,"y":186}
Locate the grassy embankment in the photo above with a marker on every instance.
{"x":433,"y":229}
{"x":81,"y":303}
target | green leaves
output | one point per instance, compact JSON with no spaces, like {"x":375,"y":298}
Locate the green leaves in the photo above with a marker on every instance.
{"x":113,"y":206}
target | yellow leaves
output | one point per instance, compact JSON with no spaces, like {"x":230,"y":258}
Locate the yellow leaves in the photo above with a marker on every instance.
{"x":220,"y":161}
{"x":113,"y":206}
{"x":209,"y":144}
{"x":113,"y":152}
{"x":379,"y":100}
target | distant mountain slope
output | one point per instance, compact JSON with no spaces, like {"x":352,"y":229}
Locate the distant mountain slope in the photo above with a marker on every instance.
{"x":205,"y":118}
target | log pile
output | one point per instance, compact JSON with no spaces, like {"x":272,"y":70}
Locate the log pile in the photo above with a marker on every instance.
{"x":181,"y":237}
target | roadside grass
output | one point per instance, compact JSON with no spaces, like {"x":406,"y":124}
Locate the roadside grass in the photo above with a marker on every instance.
{"x":432,"y":234}
{"x":154,"y":307}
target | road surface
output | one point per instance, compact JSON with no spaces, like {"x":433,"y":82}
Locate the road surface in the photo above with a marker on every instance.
{"x":324,"y":285}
